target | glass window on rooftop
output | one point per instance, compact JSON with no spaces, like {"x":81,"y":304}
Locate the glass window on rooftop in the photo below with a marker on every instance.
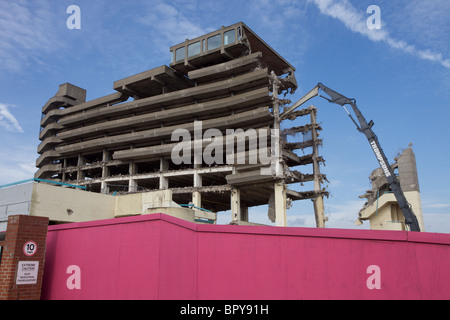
{"x":180,"y":54}
{"x":229,"y":37}
{"x":214,"y":42}
{"x":194,"y":49}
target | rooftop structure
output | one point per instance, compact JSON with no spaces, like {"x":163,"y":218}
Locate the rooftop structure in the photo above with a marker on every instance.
{"x":207,"y":128}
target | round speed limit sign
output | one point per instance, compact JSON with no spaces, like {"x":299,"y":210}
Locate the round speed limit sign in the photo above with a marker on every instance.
{"x":29,"y":248}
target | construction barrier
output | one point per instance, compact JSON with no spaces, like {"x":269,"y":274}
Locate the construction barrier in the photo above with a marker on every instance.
{"x":161,"y":257}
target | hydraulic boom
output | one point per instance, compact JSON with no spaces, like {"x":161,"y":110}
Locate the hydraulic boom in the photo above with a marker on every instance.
{"x":366,"y":129}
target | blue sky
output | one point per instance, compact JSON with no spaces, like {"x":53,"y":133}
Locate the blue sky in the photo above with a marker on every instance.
{"x":400,"y":76}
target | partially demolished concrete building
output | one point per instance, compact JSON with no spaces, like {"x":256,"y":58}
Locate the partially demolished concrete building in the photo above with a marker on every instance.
{"x":222,"y":89}
{"x":381,"y":208}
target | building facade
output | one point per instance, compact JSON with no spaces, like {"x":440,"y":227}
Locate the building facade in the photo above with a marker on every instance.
{"x":200,"y":127}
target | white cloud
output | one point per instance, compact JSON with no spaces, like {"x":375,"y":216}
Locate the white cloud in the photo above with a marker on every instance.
{"x":437,"y":205}
{"x":16,"y":161}
{"x":344,"y":215}
{"x":13,"y":172}
{"x":8,"y":121}
{"x":340,"y":216}
{"x":28,"y":168}
{"x":27,"y":30}
{"x":356,"y":21}
{"x":437,"y":222}
{"x":170,"y":26}
{"x":303,"y":221}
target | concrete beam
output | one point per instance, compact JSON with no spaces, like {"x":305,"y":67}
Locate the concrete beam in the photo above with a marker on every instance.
{"x":48,"y":144}
{"x":248,"y":177}
{"x":226,"y":69}
{"x":110,"y":99}
{"x":246,"y":81}
{"x":49,"y":130}
{"x":156,"y":77}
{"x":188,"y":190}
{"x":255,"y":116}
{"x":55,"y":103}
{"x":48,"y":170}
{"x":236,"y":102}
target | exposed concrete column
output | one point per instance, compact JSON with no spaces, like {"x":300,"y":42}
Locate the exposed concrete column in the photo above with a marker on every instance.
{"x":132,"y":169}
{"x":276,"y":127}
{"x":105,"y":156}
{"x":244,"y":213}
{"x":279,"y":187}
{"x":235,"y":205}
{"x":197,"y":199}
{"x":280,"y":204}
{"x":163,"y":181}
{"x":196,"y":195}
{"x":319,"y":212}
{"x":105,"y":172}
{"x":318,"y":201}
{"x":64,"y":170}
{"x":197,"y":177}
{"x":132,"y":184}
{"x":104,"y":187}
{"x":80,"y":173}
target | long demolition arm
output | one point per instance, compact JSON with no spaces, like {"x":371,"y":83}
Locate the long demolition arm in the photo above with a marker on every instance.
{"x":366,"y":129}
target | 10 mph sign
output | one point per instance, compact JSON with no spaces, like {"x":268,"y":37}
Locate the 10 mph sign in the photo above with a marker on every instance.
{"x":29,"y":248}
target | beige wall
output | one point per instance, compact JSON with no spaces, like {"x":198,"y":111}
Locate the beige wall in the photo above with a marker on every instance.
{"x":71,"y":205}
{"x":138,"y":203}
{"x":389,"y":214}
{"x":54,"y":202}
{"x":126,"y":205}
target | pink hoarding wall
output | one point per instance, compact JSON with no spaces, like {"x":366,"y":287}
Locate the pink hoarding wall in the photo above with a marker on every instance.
{"x":160,"y":257}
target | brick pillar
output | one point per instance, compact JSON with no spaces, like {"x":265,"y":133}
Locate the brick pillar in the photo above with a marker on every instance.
{"x":23,"y":250}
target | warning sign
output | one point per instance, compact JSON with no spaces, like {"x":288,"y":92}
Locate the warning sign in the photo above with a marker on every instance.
{"x":27,"y":272}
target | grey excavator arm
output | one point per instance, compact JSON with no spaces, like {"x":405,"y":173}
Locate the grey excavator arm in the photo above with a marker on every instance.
{"x":366,"y":129}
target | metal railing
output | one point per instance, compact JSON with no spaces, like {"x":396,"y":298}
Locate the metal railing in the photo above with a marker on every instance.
{"x":43,"y":180}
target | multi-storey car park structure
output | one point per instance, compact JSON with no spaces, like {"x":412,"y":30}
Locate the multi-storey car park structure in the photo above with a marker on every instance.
{"x":229,"y":79}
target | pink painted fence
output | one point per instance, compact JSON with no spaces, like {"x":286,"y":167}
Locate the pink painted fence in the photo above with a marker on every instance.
{"x":160,"y":257}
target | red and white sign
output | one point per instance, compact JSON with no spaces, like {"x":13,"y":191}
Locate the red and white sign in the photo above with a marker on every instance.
{"x":29,"y":248}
